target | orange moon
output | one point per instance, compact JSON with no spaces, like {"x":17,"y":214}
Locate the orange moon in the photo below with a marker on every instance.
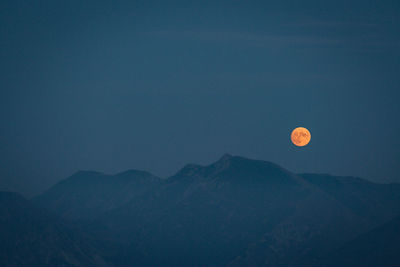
{"x":300,"y":136}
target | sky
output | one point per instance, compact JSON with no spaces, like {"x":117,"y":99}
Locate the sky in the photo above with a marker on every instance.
{"x":154,"y":85}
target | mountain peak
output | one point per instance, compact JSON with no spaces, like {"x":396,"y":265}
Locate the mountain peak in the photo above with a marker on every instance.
{"x":189,"y":169}
{"x":223,"y":163}
{"x":226,"y":157}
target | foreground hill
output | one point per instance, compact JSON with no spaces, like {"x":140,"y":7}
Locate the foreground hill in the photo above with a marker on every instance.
{"x":32,"y":237}
{"x":371,"y":204}
{"x":236,"y":211}
{"x":378,"y":247}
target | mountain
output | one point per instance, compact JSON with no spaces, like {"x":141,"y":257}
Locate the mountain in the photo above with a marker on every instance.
{"x":378,"y":247}
{"x":370,"y":204}
{"x":377,"y":202}
{"x":31,"y":236}
{"x":87,"y":194}
{"x":235,"y":211}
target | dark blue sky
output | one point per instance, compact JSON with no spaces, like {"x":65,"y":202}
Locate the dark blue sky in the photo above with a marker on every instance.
{"x":113,"y":85}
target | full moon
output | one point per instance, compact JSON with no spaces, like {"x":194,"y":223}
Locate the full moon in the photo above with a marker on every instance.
{"x":300,"y":136}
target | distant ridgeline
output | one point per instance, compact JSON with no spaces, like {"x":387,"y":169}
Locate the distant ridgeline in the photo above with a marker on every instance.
{"x":234,"y":212}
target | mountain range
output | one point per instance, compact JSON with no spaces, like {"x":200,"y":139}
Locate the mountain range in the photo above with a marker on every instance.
{"x":233,"y":212}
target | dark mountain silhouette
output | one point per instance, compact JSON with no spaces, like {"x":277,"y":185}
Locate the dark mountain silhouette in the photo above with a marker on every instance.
{"x":370,"y":203}
{"x":32,"y":237}
{"x":87,"y":194}
{"x":378,"y":247}
{"x":377,"y":202}
{"x":236,"y":211}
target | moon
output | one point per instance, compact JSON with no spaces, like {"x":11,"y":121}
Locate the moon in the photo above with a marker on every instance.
{"x":300,"y":136}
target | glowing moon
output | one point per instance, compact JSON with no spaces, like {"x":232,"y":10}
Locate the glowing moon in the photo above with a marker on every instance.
{"x":300,"y":136}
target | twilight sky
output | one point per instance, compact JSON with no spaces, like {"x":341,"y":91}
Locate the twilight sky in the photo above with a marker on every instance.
{"x":153,"y":85}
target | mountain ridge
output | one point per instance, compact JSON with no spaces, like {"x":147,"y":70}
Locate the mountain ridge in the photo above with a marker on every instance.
{"x":235,"y":211}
